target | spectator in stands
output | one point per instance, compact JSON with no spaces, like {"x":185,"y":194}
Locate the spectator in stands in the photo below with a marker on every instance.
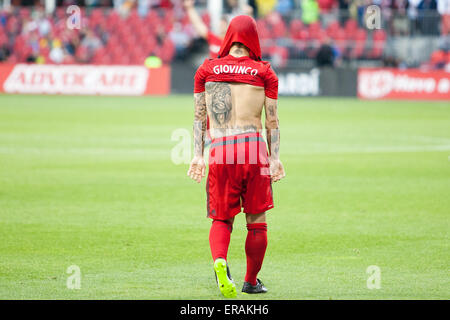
{"x":56,"y":53}
{"x":37,"y":22}
{"x":4,"y":52}
{"x":326,"y":54}
{"x":310,"y":11}
{"x":232,"y":8}
{"x":33,"y":45}
{"x":82,"y":55}
{"x":400,"y":23}
{"x":443,"y":7}
{"x":163,"y":4}
{"x":27,"y":38}
{"x":413,"y":15}
{"x":356,"y":11}
{"x":3,"y":16}
{"x":214,"y":40}
{"x":254,"y":8}
{"x":390,"y":62}
{"x":284,"y":7}
{"x":438,"y":59}
{"x":343,"y":11}
{"x":327,"y":12}
{"x":91,"y":42}
{"x":124,"y":6}
{"x":181,"y":40}
{"x":265,"y":6}
{"x":70,"y":41}
{"x":427,"y":14}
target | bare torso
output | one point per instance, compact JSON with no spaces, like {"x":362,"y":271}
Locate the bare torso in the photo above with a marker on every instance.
{"x":233,"y":108}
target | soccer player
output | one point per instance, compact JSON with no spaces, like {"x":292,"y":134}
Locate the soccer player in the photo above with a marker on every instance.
{"x":214,"y":41}
{"x":233,"y":90}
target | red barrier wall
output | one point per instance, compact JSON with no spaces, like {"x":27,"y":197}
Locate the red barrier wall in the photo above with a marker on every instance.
{"x":408,"y":84}
{"x":84,"y":79}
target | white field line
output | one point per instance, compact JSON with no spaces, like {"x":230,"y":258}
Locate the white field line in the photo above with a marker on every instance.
{"x":166,"y":151}
{"x":151,"y":152}
{"x":367,"y":149}
{"x":428,"y":139}
{"x":147,"y":139}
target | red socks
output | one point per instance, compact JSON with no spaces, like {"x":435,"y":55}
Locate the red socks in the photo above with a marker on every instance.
{"x":255,"y":249}
{"x":219,"y":238}
{"x":255,"y":245}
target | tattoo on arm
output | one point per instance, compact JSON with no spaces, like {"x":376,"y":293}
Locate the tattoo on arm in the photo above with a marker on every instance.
{"x":272,"y":129}
{"x":274,"y":143}
{"x":199,"y":123}
{"x":219,"y":94}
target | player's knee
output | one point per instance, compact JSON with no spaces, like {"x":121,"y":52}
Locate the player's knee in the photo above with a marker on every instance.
{"x":256,"y":218}
{"x":228,"y":223}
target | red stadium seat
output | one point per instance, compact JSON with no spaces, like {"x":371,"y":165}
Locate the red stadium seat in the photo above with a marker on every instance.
{"x":124,"y":60}
{"x":60,"y":13}
{"x":132,"y":38}
{"x":153,"y":19}
{"x":322,"y":36}
{"x":12,"y":59}
{"x":358,"y":44}
{"x":295,"y":29}
{"x":438,"y":56}
{"x":167,"y":51}
{"x":68,"y":59}
{"x":314,"y":30}
{"x":149,"y":44}
{"x":133,"y":15}
{"x":96,"y":14}
{"x":280,"y":55}
{"x":276,"y":23}
{"x":340,"y":39}
{"x":24,"y":13}
{"x":351,"y":25}
{"x":379,"y":42}
{"x":113,"y":20}
{"x":3,"y":39}
{"x":332,"y":28}
{"x":263,"y":29}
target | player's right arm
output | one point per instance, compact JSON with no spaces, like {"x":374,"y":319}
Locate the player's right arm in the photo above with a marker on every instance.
{"x":197,"y":168}
{"x":197,"y":22}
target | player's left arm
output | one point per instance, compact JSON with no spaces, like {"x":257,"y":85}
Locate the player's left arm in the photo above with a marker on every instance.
{"x":272,"y":125}
{"x":197,"y":168}
{"x":273,"y":139}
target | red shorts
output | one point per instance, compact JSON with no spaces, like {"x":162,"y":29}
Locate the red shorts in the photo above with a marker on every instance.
{"x":238,"y":177}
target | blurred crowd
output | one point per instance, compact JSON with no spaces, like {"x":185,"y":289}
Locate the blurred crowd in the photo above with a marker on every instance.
{"x":129,"y":31}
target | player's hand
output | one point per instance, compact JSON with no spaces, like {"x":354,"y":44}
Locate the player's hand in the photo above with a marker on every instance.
{"x":276,"y":170}
{"x":197,"y":169}
{"x":188,"y":4}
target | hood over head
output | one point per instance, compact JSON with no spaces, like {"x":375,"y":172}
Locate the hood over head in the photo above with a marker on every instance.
{"x":242,"y":29}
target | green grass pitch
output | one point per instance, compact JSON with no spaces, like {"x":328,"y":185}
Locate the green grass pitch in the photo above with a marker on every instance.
{"x":89,"y":181}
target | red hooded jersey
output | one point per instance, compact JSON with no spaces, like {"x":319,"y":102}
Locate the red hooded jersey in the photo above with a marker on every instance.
{"x":250,"y":70}
{"x":240,"y":70}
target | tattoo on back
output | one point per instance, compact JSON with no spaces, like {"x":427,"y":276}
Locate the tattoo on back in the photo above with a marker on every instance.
{"x":220,"y":97}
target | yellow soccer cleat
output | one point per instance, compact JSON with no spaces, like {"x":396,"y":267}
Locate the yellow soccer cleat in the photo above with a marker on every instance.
{"x":224,"y":280}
